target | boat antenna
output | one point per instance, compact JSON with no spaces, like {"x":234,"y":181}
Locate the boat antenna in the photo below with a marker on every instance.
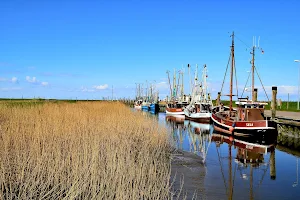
{"x":253,"y":68}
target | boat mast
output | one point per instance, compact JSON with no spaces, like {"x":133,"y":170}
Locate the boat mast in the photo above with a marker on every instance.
{"x":231,"y":72}
{"x":170,"y":85}
{"x":182,"y":88}
{"x":190,"y":78}
{"x":252,"y":71}
{"x":174,"y":85}
{"x":204,"y":83}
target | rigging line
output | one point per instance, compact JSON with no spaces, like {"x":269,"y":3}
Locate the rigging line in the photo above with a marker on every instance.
{"x":242,"y":42}
{"x":265,"y":170}
{"x":222,"y":170}
{"x":262,"y":84}
{"x":237,"y":90}
{"x":226,"y":72}
{"x":245,"y":85}
{"x":233,"y":179}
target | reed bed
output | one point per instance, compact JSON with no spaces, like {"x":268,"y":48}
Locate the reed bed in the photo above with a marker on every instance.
{"x":84,"y":150}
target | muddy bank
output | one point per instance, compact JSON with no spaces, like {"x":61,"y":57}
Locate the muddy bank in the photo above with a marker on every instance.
{"x":187,"y":175}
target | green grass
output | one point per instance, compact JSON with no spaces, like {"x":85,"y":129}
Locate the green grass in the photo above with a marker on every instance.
{"x":292,"y":106}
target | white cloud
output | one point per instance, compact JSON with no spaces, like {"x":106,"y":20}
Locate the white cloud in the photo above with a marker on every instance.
{"x":162,"y":85}
{"x":84,"y":89}
{"x":100,"y":87}
{"x":14,"y":79}
{"x":31,"y":80}
{"x":34,"y":80}
{"x":44,"y":83}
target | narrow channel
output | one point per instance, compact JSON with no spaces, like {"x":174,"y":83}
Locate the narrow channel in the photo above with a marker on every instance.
{"x":208,"y":165}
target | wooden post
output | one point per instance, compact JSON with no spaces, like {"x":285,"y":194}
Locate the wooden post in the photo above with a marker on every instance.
{"x":272,"y":165}
{"x":287,"y":103}
{"x":255,"y":95}
{"x":273,"y":103}
{"x":218,"y":99}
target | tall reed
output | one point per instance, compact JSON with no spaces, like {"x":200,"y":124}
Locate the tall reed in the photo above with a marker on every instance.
{"x":84,"y":150}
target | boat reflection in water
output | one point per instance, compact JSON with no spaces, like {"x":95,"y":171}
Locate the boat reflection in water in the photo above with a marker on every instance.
{"x":250,"y":159}
{"x":197,"y":136}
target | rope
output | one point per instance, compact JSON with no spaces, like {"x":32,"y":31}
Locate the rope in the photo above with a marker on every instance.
{"x":262,"y":84}
{"x":236,"y":84}
{"x":226,"y":72}
{"x":233,"y":180}
{"x":242,"y":42}
{"x":222,"y":170}
{"x":246,"y":84}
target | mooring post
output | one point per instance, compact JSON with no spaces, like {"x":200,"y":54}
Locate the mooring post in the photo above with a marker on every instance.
{"x":255,"y":95}
{"x":272,"y":165}
{"x":273,"y":103}
{"x":218,"y":99}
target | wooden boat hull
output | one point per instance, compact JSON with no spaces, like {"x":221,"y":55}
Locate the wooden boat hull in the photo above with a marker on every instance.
{"x":261,"y":131}
{"x":198,"y":117}
{"x":174,"y":111}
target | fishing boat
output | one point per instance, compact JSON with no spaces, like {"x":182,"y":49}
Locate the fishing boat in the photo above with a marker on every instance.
{"x":138,"y":104}
{"x":138,"y":99}
{"x":145,"y":105}
{"x":153,"y":98}
{"x":201,"y":104}
{"x":176,"y":105}
{"x":247,"y":120}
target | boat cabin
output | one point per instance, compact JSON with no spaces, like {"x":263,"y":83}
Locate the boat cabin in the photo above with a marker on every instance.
{"x":202,"y":108}
{"x":139,"y":102}
{"x":250,"y":111}
{"x":177,"y":104}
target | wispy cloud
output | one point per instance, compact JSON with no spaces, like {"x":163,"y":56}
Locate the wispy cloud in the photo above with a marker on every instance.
{"x":61,"y":74}
{"x":162,"y":85}
{"x":84,"y":89}
{"x":44,"y":83}
{"x":100,"y":87}
{"x":33,"y":80}
{"x":11,"y":89}
{"x":12,"y":80}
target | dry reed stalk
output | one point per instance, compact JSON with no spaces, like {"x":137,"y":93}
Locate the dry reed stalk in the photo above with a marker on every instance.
{"x":84,"y":150}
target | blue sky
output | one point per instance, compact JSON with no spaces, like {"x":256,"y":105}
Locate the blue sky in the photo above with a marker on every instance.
{"x":80,"y":49}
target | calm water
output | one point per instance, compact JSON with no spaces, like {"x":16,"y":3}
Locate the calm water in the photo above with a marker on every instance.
{"x":229,"y":170}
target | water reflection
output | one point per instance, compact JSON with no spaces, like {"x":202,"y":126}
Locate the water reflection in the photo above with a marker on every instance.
{"x":249,"y":159}
{"x":237,"y":169}
{"x":196,"y":136}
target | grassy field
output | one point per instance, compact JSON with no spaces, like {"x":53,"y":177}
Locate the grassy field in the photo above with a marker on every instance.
{"x":83,"y":150}
{"x":292,"y":106}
